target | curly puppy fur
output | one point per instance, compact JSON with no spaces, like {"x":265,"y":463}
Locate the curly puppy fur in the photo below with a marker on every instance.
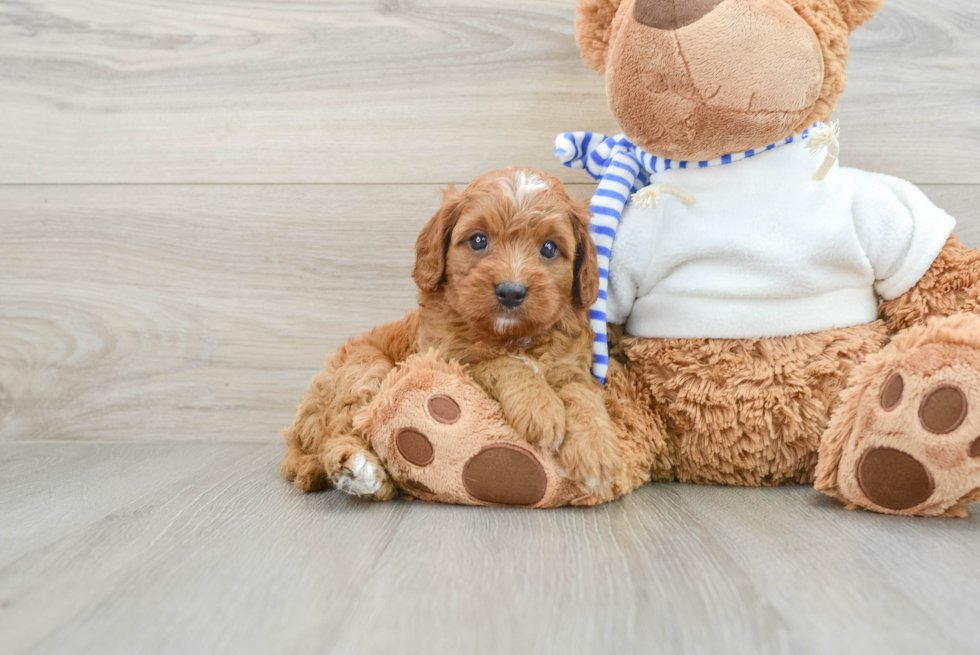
{"x":516,"y":211}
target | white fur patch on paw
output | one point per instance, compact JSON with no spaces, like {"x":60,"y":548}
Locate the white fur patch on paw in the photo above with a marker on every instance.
{"x":361,"y":478}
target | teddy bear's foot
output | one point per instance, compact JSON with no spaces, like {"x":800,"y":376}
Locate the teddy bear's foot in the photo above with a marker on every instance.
{"x":441,"y":438}
{"x":906,"y":438}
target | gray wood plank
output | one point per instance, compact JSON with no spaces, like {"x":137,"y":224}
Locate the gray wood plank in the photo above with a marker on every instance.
{"x":136,"y":313}
{"x":199,"y":548}
{"x":429,"y":91}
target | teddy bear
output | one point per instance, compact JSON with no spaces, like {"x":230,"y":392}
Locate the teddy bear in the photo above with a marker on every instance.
{"x":793,"y":321}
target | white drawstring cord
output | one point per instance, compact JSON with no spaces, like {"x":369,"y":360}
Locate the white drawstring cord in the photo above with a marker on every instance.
{"x":649,"y":196}
{"x":826,"y":136}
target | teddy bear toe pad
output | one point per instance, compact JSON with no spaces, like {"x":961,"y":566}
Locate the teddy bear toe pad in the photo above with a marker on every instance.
{"x":444,"y":409}
{"x":414,"y":447}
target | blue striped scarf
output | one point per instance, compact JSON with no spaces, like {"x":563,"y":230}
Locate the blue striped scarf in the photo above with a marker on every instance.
{"x":621,"y":168}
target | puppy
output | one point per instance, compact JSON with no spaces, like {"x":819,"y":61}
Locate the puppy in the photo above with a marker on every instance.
{"x":506,"y":272}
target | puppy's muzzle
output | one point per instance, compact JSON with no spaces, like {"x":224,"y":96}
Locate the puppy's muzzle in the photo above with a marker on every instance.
{"x":510,"y":294}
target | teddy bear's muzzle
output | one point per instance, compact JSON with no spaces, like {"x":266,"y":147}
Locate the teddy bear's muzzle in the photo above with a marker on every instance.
{"x":700,"y":79}
{"x":671,"y":15}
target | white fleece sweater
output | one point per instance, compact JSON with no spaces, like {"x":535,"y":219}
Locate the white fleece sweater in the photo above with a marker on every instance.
{"x":768,"y":251}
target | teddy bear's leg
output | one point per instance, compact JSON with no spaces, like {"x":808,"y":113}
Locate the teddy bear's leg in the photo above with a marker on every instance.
{"x":746,"y":412}
{"x":906,"y":436}
{"x":442,"y":438}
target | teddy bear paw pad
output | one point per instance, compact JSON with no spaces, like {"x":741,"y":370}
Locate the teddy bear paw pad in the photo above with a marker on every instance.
{"x":893,"y":479}
{"x":505,"y":474}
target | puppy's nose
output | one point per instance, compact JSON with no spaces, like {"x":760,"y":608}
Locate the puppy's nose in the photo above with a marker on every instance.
{"x":671,"y":14}
{"x":510,"y":294}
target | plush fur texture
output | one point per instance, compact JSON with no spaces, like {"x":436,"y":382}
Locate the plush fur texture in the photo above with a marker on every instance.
{"x":747,"y":412}
{"x":533,"y":359}
{"x":758,"y":62}
{"x":951,"y":285}
{"x":857,"y":12}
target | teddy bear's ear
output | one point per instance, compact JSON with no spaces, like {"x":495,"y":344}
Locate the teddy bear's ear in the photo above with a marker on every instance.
{"x":857,"y":12}
{"x":593,"y":30}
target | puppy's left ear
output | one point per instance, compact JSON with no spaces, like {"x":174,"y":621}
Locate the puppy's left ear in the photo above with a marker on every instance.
{"x":585,"y":289}
{"x":433,"y":242}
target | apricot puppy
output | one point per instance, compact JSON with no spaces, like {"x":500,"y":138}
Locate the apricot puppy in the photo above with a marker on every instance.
{"x":506,"y":272}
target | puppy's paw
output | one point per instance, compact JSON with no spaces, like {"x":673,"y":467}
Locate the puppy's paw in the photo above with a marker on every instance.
{"x":593,"y":460}
{"x":539,"y":419}
{"x":361,"y":474}
{"x":359,"y":477}
{"x":594,"y":476}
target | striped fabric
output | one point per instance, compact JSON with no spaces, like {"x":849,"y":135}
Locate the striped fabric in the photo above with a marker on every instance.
{"x":621,"y":169}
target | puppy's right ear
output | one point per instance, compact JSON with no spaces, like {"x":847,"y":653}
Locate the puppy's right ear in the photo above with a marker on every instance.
{"x":593,"y":30}
{"x":433,"y":243}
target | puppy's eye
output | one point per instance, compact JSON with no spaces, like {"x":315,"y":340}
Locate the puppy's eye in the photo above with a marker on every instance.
{"x":479,"y":241}
{"x":549,"y":250}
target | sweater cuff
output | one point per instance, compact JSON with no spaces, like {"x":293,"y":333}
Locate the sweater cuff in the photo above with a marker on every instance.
{"x":925,"y":247}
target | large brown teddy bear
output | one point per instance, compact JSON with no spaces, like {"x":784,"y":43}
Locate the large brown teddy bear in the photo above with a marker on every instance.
{"x":795,"y":321}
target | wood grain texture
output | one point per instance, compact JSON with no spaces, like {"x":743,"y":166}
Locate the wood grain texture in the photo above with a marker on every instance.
{"x":139,"y":313}
{"x":420,"y":91}
{"x":199,"y":548}
{"x":193,"y":312}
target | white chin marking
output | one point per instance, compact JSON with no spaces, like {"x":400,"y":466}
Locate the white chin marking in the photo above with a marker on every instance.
{"x":503,"y":324}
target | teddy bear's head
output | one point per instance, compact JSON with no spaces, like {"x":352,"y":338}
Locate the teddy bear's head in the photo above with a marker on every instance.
{"x":697,"y":79}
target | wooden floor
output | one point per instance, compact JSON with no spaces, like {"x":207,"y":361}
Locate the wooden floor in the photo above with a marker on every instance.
{"x":199,"y":200}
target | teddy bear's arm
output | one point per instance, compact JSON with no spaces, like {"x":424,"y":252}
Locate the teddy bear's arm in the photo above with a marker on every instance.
{"x":950,"y":286}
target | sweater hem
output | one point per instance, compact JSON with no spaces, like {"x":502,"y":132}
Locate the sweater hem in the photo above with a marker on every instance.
{"x":676,"y":317}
